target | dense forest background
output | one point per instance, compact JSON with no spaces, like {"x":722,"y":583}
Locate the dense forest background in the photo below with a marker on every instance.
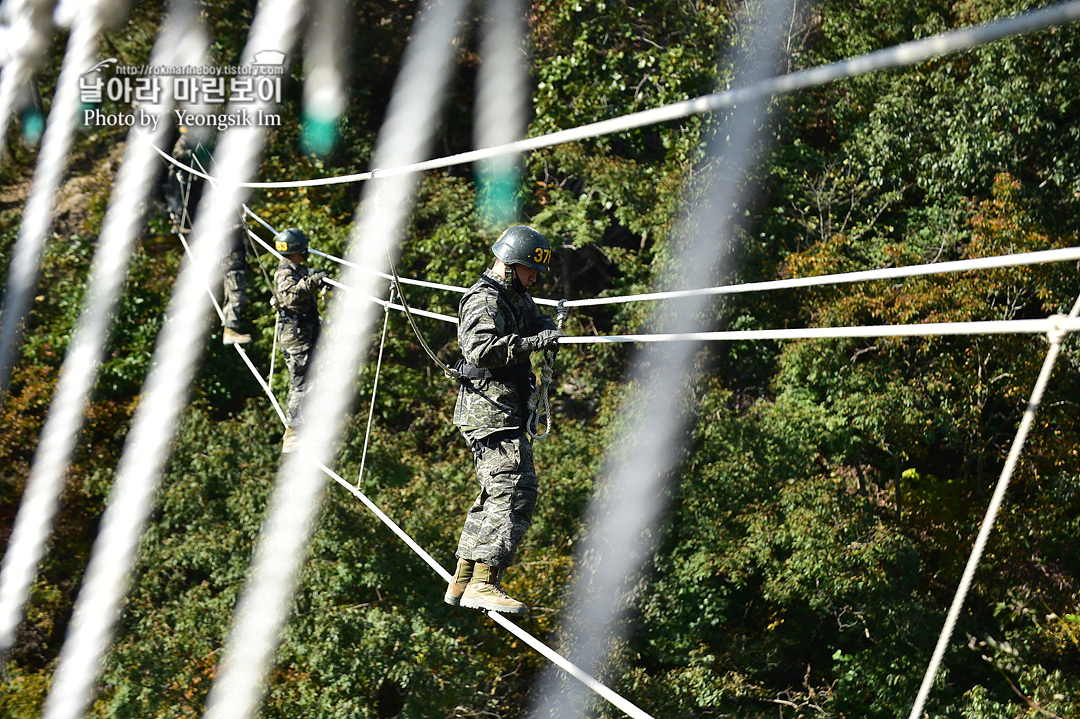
{"x":830,"y":490}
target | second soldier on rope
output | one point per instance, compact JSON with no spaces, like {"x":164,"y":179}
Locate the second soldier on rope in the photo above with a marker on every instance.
{"x":296,"y":288}
{"x":499,"y":327}
{"x":234,"y":267}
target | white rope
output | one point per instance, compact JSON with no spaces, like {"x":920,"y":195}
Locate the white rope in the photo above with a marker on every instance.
{"x":262,"y":383}
{"x":1056,"y":335}
{"x":345,"y":263}
{"x":930,"y":329}
{"x":386,"y":276}
{"x":273,"y":348}
{"x":79,"y":371}
{"x":37,"y":215}
{"x":903,"y":55}
{"x":393,"y":305}
{"x":562,"y":662}
{"x":374,"y":392}
{"x":164,"y":393}
{"x":637,"y":466}
{"x":267,"y":596}
{"x":1019,"y":259}
{"x":615,"y":699}
{"x":191,"y":258}
{"x":885,"y":273}
{"x":25,"y":42}
{"x":391,"y":524}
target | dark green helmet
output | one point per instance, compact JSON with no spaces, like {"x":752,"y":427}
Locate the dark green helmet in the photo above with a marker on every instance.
{"x":292,"y":241}
{"x":522,"y":245}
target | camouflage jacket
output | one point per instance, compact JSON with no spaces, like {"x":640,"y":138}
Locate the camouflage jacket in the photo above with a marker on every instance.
{"x":192,"y":151}
{"x":493,"y":317}
{"x":295,"y":290}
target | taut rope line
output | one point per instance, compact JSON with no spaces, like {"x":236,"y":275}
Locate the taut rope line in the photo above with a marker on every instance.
{"x":1056,"y":335}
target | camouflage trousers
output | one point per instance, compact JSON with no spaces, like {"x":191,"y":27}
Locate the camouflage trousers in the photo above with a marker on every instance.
{"x":234,"y":268}
{"x":235,"y":283}
{"x":297,"y":344}
{"x":503,"y":510}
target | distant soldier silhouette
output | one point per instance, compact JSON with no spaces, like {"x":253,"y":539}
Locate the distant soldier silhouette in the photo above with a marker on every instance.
{"x":234,"y":267}
{"x":296,"y":289}
{"x":182,"y":187}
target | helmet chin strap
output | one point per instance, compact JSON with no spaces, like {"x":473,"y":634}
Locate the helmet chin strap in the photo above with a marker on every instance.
{"x":511,"y":278}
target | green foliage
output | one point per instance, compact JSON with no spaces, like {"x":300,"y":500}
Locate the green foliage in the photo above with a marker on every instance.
{"x":829,"y":491}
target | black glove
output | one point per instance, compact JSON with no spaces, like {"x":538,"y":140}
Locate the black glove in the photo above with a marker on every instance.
{"x":542,"y":340}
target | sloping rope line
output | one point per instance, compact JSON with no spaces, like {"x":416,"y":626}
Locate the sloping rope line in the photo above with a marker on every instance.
{"x":266,"y":600}
{"x":262,"y":383}
{"x":611,"y":696}
{"x":37,"y":215}
{"x":402,"y":280}
{"x":251,"y":238}
{"x":154,"y":423}
{"x":347,"y":263}
{"x":407,"y":133}
{"x":374,"y":390}
{"x":335,"y":283}
{"x":570,"y":668}
{"x":1018,"y":259}
{"x":925,"y":329}
{"x":562,"y":662}
{"x":209,"y":290}
{"x":1056,"y":336}
{"x":885,"y":273}
{"x":59,"y":435}
{"x":930,"y":329}
{"x":896,"y":56}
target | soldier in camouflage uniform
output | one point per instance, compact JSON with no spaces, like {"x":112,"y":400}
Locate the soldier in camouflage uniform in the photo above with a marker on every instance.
{"x":295,"y":297}
{"x":234,"y":268}
{"x":499,"y":327}
{"x":181,"y":184}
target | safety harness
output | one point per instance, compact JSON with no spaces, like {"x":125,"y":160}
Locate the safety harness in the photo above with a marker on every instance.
{"x":519,"y":374}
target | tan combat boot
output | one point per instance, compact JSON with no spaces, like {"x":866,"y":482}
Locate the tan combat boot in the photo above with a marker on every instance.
{"x":232,"y":337}
{"x":457,"y":585}
{"x":483,"y":592}
{"x":289,"y":441}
